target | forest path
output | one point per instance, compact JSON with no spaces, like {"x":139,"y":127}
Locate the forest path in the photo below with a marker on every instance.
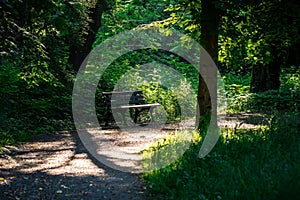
{"x":58,"y":166}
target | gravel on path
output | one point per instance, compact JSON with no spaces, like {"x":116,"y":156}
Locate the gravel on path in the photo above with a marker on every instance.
{"x":57,"y":166}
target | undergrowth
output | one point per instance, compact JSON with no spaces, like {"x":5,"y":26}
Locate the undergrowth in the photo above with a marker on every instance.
{"x":286,"y":99}
{"x":256,"y":163}
{"x":260,"y":163}
{"x":15,"y":130}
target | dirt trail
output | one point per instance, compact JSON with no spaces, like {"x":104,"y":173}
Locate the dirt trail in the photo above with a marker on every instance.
{"x":55,"y":166}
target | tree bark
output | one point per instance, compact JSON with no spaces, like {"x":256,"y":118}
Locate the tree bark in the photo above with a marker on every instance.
{"x":79,"y":52}
{"x":209,"y":20}
{"x":267,"y":77}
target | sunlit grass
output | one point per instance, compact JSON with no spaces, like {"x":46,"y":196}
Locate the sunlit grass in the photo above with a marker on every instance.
{"x":168,"y":149}
{"x":259,"y":163}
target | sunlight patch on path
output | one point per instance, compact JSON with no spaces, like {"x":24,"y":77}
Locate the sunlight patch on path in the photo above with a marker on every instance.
{"x":122,"y":149}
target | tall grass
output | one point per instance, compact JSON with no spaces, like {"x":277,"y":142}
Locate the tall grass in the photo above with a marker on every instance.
{"x":262,"y":163}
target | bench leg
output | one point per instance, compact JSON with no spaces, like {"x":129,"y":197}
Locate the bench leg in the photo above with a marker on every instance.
{"x":136,"y":114}
{"x":107,"y":116}
{"x":121,"y":121}
{"x":123,"y":112}
{"x":151,"y":115}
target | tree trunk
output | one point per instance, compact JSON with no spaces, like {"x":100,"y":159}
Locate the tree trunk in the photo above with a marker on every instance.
{"x":79,"y":52}
{"x":267,"y":77}
{"x":209,"y":21}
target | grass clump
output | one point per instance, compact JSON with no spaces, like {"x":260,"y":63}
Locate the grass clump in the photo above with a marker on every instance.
{"x":260,"y":163}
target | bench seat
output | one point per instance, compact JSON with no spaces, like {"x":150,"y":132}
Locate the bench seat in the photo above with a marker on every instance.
{"x":123,"y":100}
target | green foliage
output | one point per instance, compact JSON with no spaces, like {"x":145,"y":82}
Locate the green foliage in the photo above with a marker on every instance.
{"x":155,"y":93}
{"x":236,"y":84}
{"x":167,"y":149}
{"x":251,"y":32}
{"x":184,"y":15}
{"x":266,"y":102}
{"x":36,"y":84}
{"x":245,"y":164}
{"x":153,"y":72}
{"x":290,"y":78}
{"x":260,"y":163}
{"x":286,"y":99}
{"x":14,"y":130}
{"x":34,"y":76}
{"x":36,"y":36}
{"x":127,"y":15}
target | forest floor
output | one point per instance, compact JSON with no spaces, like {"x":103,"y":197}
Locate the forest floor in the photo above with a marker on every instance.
{"x":58,"y":166}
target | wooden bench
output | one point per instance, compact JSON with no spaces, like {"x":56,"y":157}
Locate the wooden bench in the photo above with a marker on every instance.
{"x":123,"y":101}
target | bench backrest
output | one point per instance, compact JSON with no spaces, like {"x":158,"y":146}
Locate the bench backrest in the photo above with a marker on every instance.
{"x":124,"y":98}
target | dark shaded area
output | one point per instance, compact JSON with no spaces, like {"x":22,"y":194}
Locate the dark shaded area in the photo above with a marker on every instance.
{"x":41,"y":185}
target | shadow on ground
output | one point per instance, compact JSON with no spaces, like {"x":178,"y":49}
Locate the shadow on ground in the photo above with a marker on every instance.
{"x":57,"y":166}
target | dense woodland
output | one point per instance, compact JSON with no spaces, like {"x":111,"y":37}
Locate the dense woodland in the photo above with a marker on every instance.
{"x":255,"y":44}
